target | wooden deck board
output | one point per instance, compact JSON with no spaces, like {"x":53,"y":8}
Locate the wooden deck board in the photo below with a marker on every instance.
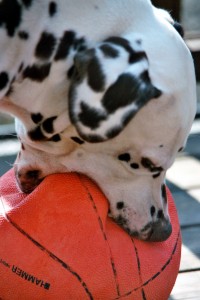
{"x":191,"y":249}
{"x":185,"y":173}
{"x":187,"y":287}
{"x":188,"y":208}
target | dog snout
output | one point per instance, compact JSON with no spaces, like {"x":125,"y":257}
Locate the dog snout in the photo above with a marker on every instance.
{"x":157,"y":231}
{"x":28,"y":180}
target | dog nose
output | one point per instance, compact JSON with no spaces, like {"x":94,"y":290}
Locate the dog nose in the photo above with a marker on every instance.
{"x":161,"y":231}
{"x":28,"y":180}
{"x":158,"y":231}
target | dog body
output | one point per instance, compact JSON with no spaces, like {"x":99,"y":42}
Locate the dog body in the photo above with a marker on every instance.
{"x":106,"y":88}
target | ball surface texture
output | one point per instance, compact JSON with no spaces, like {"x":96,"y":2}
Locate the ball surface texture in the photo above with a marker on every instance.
{"x":59,"y":243}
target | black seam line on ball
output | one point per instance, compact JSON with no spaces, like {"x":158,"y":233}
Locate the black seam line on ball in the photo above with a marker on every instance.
{"x":103,"y":233}
{"x":139,"y":268}
{"x":49,"y":253}
{"x":156,"y":274}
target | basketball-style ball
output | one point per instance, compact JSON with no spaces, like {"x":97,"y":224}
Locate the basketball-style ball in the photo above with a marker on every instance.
{"x":59,"y":243}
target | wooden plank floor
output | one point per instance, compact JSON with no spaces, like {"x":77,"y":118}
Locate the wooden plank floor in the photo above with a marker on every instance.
{"x":183,"y":180}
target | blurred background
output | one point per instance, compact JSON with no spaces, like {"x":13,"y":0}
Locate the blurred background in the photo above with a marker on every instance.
{"x":183,"y":178}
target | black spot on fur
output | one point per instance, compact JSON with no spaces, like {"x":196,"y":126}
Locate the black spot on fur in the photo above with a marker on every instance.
{"x":21,"y":67}
{"x":154,"y":92}
{"x":93,"y":138}
{"x":160,"y":214}
{"x":55,"y":138}
{"x":27,"y":3}
{"x":52,"y":8}
{"x":86,"y":64}
{"x":11,"y":88}
{"x":10,"y":15}
{"x":120,"y":205}
{"x":148,"y":164}
{"x":19,"y":154}
{"x":120,"y":94}
{"x":164,"y":193}
{"x":153,"y":210}
{"x":23,"y":35}
{"x":45,"y":46}
{"x":13,"y":79}
{"x":47,"y":125}
{"x":133,"y":55}
{"x":36,"y":134}
{"x":33,"y":174}
{"x":156,"y":175}
{"x":36,"y":118}
{"x":161,"y":146}
{"x":10,"y":91}
{"x":181,"y":149}
{"x":4,"y":79}
{"x":65,"y":45}
{"x":70,"y":72}
{"x":135,"y":166}
{"x":77,"y":140}
{"x":113,"y":132}
{"x":124,"y":157}
{"x":127,"y":117}
{"x":119,"y":41}
{"x":121,"y":220}
{"x":90,"y":117}
{"x":96,"y":78}
{"x":109,"y":51}
{"x":128,"y":89}
{"x":36,"y":72}
{"x":79,"y":44}
{"x":136,"y":56}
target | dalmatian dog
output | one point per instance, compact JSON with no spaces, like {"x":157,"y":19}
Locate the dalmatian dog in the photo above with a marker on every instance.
{"x":104,"y":88}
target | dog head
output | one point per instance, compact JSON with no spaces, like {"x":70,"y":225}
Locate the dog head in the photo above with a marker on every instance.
{"x":129,"y":89}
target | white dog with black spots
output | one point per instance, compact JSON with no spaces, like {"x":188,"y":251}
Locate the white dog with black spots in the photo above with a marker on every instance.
{"x":105,"y":88}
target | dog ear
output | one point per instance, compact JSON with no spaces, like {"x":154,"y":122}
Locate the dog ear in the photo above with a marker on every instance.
{"x":119,"y":104}
{"x":125,"y":98}
{"x":109,"y":90}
